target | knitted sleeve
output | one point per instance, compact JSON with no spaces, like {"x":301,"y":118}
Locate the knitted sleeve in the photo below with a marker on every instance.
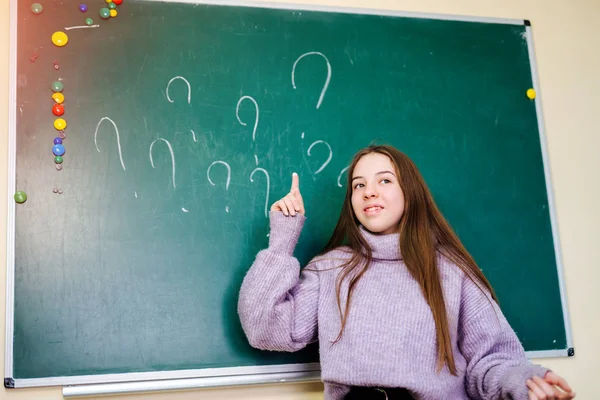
{"x":278,"y":304}
{"x":497,"y":367}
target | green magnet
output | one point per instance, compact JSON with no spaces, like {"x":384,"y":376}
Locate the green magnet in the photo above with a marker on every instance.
{"x":36,"y":8}
{"x":58,"y":159}
{"x":112,"y":6}
{"x":89,"y":21}
{"x":104,"y":13}
{"x":20,"y":197}
{"x":57,"y":87}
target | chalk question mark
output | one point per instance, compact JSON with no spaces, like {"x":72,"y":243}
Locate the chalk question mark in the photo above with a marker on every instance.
{"x":228,"y":176}
{"x":316,"y":142}
{"x":173,"y":166}
{"x":116,"y":133}
{"x":326,"y":85}
{"x":237,"y":114}
{"x":189,"y":88}
{"x":340,"y":176}
{"x":268,"y":186}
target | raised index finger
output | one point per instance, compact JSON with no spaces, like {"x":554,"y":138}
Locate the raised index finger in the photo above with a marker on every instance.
{"x":295,"y":182}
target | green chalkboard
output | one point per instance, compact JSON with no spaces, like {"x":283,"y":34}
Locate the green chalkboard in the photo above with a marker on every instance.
{"x":185,"y":121}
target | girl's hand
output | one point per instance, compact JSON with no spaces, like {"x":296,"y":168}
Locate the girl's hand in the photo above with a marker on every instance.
{"x":552,"y":387}
{"x":292,"y":203}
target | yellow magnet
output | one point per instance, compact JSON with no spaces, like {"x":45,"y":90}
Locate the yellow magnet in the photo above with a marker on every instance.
{"x":60,"y":124}
{"x":531,"y":93}
{"x":60,"y":38}
{"x":58,"y":97}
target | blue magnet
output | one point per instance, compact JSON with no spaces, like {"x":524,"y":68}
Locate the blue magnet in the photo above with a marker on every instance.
{"x":57,"y":140}
{"x":58,"y":150}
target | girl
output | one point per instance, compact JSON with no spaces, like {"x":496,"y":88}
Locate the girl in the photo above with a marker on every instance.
{"x":399,"y":307}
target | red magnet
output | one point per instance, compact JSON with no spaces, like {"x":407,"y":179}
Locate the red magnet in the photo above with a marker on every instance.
{"x":58,"y":109}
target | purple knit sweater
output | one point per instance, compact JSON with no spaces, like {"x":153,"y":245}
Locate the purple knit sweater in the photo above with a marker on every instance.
{"x":390,"y":337}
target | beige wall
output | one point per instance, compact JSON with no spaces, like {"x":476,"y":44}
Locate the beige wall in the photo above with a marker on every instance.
{"x":567,"y":40}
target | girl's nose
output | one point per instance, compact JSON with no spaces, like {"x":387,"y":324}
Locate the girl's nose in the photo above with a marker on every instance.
{"x":369,"y":192}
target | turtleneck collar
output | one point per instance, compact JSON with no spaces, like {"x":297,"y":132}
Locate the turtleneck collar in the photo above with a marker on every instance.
{"x":385,"y":247}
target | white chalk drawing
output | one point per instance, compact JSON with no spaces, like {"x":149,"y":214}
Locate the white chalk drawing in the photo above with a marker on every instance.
{"x":173,"y":166}
{"x":228,"y":173}
{"x":189,"y":96}
{"x":326,"y":85}
{"x":328,"y":158}
{"x":116,"y":133}
{"x":68,"y":28}
{"x":228,"y":176}
{"x":340,"y":176}
{"x":268,"y":187}
{"x":237,"y":114}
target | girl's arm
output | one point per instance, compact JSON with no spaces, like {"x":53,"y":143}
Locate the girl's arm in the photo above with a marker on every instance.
{"x":497,"y":367}
{"x":278,"y":304}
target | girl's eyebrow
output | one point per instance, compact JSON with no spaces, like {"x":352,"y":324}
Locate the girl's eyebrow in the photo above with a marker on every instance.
{"x":378,"y":173}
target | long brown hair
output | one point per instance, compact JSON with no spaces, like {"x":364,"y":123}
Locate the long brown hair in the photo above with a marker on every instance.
{"x":423,"y":232}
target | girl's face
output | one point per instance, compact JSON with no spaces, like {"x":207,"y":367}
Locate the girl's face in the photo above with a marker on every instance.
{"x":377,"y":199}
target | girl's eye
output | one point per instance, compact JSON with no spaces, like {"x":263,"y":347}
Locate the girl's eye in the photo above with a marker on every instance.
{"x":385,"y":181}
{"x":358,"y":186}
